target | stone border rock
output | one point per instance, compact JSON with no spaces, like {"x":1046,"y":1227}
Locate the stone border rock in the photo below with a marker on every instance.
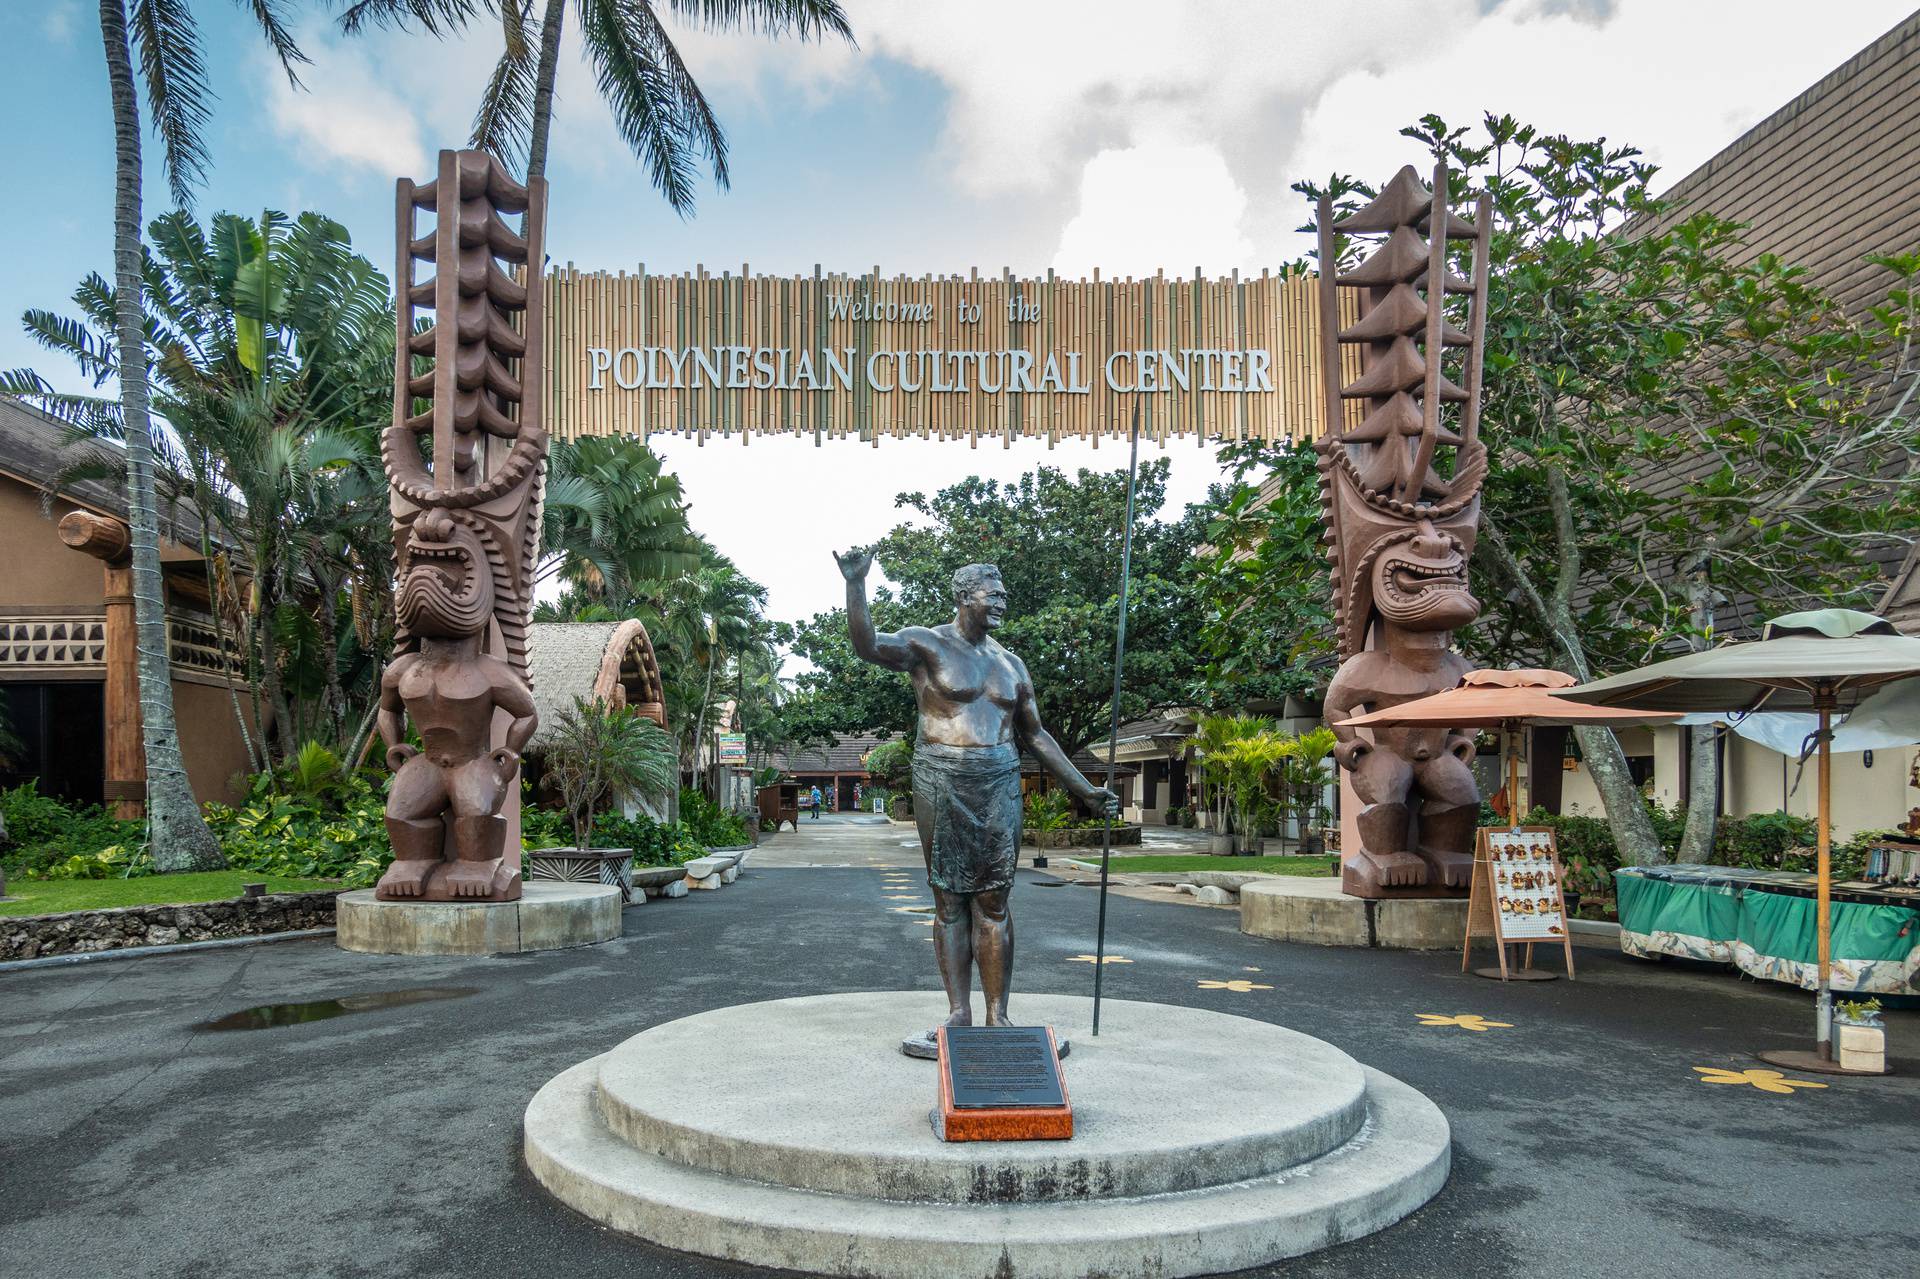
{"x":88,"y":931}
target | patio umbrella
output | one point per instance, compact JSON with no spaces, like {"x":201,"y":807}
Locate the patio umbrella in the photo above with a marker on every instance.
{"x":1508,"y":701}
{"x":1823,"y":661}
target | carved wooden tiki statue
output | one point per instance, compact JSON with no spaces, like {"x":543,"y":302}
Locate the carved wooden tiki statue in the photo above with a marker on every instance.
{"x":1402,"y":496}
{"x":465,"y":475}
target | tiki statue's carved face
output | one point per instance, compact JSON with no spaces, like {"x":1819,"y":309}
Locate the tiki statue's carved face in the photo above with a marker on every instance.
{"x":1420,"y":582}
{"x":447,"y":592}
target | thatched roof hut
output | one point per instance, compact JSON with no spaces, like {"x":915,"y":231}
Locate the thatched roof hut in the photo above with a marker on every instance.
{"x":611,"y":661}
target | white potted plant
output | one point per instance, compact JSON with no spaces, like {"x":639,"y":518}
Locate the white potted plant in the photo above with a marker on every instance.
{"x":1860,"y":1037}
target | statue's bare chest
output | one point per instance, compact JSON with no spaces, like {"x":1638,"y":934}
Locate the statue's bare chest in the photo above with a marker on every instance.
{"x":452,"y":685}
{"x":960,"y":672}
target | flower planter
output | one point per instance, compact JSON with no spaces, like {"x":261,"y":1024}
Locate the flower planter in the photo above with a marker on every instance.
{"x":610,"y":866}
{"x":1220,"y":845}
{"x":1860,"y":1047}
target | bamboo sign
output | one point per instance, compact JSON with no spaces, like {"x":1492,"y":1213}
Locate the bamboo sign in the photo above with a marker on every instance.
{"x":947,"y":357}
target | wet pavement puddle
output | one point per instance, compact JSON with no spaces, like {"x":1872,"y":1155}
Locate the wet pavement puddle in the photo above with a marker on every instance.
{"x":267,"y":1016}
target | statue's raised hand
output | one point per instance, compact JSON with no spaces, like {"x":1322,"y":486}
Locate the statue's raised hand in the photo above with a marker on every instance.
{"x":855,"y":563}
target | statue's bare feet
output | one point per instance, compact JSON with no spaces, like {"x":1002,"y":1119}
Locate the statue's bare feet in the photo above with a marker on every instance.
{"x":998,"y":1017}
{"x":472,"y":879}
{"x":1391,"y":870}
{"x":406,"y":877}
{"x":1455,"y":867}
{"x":960,"y":1017}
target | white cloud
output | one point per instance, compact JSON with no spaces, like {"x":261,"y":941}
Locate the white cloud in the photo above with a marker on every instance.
{"x":346,"y":116}
{"x":1140,"y":204}
{"x":1678,"y":81}
{"x":1038,"y":93}
{"x":57,"y":23}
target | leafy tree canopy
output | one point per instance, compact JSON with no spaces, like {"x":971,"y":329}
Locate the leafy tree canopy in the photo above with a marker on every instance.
{"x":1057,"y":540}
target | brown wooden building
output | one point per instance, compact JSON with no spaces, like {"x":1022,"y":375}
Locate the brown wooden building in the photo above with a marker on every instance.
{"x":68,"y":689}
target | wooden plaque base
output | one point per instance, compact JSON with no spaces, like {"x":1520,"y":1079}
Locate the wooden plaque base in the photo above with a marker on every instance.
{"x":1000,"y":1123}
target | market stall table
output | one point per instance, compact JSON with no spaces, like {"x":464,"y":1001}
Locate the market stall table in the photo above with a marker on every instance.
{"x":1762,"y":923}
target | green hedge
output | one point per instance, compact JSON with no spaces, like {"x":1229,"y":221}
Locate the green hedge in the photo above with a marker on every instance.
{"x":707,"y":822}
{"x":1782,"y":841}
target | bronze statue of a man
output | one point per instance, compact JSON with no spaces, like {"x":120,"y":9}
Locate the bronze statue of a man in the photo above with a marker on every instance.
{"x":977,"y":710}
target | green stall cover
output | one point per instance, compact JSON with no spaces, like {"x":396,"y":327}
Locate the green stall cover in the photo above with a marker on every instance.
{"x":1727,"y":916}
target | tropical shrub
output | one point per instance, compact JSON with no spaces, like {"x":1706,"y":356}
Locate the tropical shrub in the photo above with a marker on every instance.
{"x":543,"y":827}
{"x":653,"y":843}
{"x":597,"y":753}
{"x":43,"y":831}
{"x":1761,"y":840}
{"x":1048,"y":810}
{"x":708,"y":823}
{"x":340,"y":832}
{"x":891,"y":764}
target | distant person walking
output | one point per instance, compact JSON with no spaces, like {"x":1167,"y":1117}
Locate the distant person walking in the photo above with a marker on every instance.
{"x":816,"y":803}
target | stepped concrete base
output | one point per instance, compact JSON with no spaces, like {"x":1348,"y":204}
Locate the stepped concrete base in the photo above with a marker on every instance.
{"x":548,"y":916}
{"x":817,"y":1154}
{"x":1314,"y":911}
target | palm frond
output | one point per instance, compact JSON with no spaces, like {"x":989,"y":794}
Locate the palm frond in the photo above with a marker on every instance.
{"x":274,"y":28}
{"x":698,"y":124}
{"x":438,"y":18}
{"x":503,"y":124}
{"x":91,"y":415}
{"x":622,"y":40}
{"x":176,"y":80}
{"x":92,"y":351}
{"x":804,"y":19}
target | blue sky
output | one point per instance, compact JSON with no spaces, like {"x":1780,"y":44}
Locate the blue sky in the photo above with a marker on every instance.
{"x":1050,"y":133}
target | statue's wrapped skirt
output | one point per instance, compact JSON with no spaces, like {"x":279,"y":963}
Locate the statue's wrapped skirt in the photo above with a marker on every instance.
{"x":973,"y":794}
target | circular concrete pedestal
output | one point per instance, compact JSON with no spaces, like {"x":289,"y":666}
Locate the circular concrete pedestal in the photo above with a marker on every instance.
{"x":548,"y":916}
{"x":817,"y":1154}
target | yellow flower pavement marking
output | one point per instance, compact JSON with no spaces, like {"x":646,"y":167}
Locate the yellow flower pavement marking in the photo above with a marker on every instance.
{"x":1105,"y":959}
{"x":1249,"y":969}
{"x":1466,"y":1021}
{"x":1765,"y":1080}
{"x":903,"y":897}
{"x":925,"y":923}
{"x":909,"y":910}
{"x":1239,"y":984}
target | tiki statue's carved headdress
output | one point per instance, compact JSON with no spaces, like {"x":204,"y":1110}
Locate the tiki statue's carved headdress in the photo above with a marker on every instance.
{"x":466,"y":469}
{"x":1401,"y":523}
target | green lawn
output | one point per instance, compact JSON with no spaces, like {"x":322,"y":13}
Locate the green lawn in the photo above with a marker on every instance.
{"x":1173,"y":862}
{"x":49,"y":897}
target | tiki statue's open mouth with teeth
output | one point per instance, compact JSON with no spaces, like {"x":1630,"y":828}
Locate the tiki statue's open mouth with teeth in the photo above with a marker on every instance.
{"x":447,"y":591}
{"x":1421,"y":583}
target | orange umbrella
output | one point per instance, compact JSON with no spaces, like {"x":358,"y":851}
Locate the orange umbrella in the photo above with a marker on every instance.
{"x":1508,"y":701}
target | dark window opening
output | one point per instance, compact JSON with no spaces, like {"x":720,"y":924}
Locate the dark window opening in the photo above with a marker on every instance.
{"x":56,"y":737}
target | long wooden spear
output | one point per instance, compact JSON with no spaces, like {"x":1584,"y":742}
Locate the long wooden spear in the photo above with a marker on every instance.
{"x":1113,"y":728}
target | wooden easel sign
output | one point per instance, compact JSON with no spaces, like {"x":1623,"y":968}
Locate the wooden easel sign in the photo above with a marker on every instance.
{"x":1517,"y":900}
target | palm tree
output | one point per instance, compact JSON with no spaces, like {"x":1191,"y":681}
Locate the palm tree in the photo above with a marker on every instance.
{"x":614,"y":517}
{"x":271,"y":349}
{"x":659,"y":109}
{"x":175,"y":81}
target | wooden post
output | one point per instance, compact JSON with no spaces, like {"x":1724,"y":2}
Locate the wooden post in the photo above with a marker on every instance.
{"x":109,"y":541}
{"x":1823,"y":910}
